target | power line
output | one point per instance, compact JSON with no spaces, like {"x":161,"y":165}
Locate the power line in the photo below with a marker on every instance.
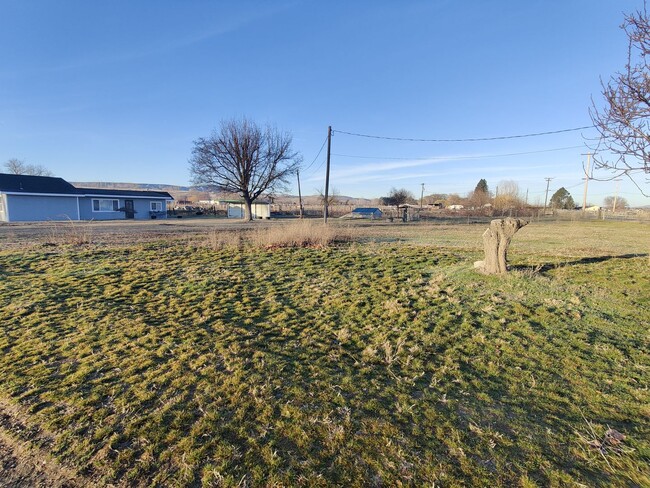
{"x":459,"y":157}
{"x":316,"y":170}
{"x":573,"y":186}
{"x":319,"y":151}
{"x":473,"y":139}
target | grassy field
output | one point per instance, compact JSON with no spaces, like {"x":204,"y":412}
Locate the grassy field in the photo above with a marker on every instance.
{"x":385,"y":360}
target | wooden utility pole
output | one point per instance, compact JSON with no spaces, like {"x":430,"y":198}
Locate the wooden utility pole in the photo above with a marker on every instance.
{"x":421,"y":196}
{"x":327,"y":173}
{"x":548,"y":182}
{"x":584,"y":196}
{"x":618,"y":184}
{"x":299,"y":193}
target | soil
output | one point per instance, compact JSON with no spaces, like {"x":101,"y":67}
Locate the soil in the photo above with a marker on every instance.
{"x":22,"y":469}
{"x":22,"y":462}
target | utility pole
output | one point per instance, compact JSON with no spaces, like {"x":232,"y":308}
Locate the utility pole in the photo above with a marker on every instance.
{"x":548,"y":182}
{"x":618,"y":184}
{"x":327,"y":173}
{"x":299,"y":193}
{"x":526,"y":196}
{"x":584,"y":196}
{"x":421,"y":196}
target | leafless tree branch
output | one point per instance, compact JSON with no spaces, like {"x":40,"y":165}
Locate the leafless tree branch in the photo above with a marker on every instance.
{"x":240,"y":157}
{"x":623,"y":123}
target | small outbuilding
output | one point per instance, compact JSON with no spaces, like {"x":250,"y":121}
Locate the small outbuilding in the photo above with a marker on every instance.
{"x":371,"y":213}
{"x":237,"y":209}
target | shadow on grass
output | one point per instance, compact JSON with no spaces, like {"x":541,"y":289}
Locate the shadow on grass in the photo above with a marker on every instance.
{"x":546,"y":267}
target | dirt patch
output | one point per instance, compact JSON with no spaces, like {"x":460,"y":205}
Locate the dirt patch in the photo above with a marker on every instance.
{"x":24,"y":465}
{"x":20,"y":468}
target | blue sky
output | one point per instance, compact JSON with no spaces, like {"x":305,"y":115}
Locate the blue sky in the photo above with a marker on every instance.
{"x":117,"y":91}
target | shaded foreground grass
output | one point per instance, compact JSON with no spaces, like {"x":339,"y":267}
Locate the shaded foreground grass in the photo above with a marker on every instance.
{"x":382,"y":364}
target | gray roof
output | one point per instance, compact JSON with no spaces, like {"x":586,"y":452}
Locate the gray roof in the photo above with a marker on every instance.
{"x":35,"y":184}
{"x":126,"y":193}
{"x":49,"y":185}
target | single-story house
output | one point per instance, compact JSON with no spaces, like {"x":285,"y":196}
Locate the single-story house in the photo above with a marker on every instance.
{"x":237,"y":209}
{"x":25,"y":198}
{"x":367,"y":213}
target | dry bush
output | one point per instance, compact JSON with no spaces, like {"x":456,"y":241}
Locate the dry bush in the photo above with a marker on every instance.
{"x":70,"y":232}
{"x":304,"y":233}
{"x":218,"y":239}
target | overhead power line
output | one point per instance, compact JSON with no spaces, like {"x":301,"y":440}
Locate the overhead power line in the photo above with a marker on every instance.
{"x":316,"y":170}
{"x":319,"y":151}
{"x":455,"y":158}
{"x":472,"y":139}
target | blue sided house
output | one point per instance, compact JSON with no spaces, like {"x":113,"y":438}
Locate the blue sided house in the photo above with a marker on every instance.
{"x":26,"y":198}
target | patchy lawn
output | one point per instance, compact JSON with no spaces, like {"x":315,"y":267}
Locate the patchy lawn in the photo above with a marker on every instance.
{"x":382,"y":363}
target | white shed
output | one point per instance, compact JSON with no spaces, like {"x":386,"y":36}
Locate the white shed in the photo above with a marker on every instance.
{"x":237,"y":209}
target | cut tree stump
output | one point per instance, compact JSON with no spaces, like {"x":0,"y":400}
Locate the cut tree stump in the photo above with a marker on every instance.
{"x":496,"y":240}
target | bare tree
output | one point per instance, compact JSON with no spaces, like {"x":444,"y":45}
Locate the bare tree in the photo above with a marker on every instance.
{"x":615,"y":202}
{"x":508,"y":196}
{"x":19,"y":167}
{"x":455,"y":199}
{"x":332,"y":198}
{"x":623,"y":124}
{"x":397,"y":198}
{"x":245,"y":159}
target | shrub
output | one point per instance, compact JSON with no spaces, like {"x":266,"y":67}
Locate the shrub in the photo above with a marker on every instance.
{"x":304,"y":233}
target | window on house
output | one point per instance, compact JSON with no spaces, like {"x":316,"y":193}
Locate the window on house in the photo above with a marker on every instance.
{"x":105,"y":205}
{"x":156,"y":206}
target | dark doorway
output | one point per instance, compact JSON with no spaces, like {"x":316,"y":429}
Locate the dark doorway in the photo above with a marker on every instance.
{"x":129,"y":211}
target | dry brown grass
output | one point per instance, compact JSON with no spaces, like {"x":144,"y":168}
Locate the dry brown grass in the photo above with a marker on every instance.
{"x":303,"y":233}
{"x":218,"y":239}
{"x":70,"y":232}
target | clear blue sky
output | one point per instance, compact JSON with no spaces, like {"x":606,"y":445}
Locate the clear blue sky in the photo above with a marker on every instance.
{"x":117,"y":91}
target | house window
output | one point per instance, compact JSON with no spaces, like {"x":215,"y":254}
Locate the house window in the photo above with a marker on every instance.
{"x":105,"y":205}
{"x":156,"y":206}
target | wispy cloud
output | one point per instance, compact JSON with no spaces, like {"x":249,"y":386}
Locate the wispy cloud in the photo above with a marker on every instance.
{"x":158,"y":46}
{"x":383,"y":166}
{"x":378,"y":176}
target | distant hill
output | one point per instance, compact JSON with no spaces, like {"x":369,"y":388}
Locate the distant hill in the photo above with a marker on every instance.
{"x":130,"y":186}
{"x":180,"y":192}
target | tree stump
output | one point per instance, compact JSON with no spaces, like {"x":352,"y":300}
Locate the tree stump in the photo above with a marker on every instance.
{"x":496,"y":240}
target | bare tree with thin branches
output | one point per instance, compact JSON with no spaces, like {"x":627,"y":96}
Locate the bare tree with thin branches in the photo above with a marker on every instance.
{"x":623,"y":124}
{"x":19,"y":167}
{"x":243,"y":158}
{"x":332,"y":198}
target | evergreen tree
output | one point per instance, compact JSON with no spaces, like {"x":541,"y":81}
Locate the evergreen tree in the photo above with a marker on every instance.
{"x":562,"y":199}
{"x":481,"y":187}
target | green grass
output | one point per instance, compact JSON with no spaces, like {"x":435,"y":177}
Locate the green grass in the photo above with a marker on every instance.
{"x":389,"y":363}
